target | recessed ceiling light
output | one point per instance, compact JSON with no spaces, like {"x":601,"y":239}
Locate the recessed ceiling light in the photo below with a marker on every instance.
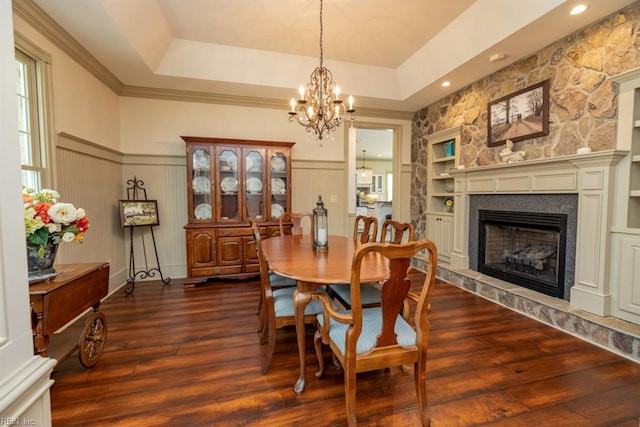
{"x":577,"y":10}
{"x":446,"y":84}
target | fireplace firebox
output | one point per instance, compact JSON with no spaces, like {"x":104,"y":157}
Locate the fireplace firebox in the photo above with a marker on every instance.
{"x":524,"y":248}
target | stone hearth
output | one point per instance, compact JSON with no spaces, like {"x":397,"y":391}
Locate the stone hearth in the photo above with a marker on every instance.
{"x":610,"y":333}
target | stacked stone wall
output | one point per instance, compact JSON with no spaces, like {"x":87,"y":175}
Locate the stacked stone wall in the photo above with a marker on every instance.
{"x":582,"y":100}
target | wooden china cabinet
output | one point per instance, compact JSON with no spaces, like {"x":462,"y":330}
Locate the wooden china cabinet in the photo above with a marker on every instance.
{"x":231,"y":182}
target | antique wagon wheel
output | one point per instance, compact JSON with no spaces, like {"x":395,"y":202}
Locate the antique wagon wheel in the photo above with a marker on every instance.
{"x":92,"y":339}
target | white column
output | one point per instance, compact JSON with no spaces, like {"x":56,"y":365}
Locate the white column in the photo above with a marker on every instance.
{"x":460,"y":253}
{"x":591,"y":291}
{"x":24,"y":378}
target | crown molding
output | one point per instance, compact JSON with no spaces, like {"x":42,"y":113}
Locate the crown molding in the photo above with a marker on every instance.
{"x":39,"y":20}
{"x":241,"y":101}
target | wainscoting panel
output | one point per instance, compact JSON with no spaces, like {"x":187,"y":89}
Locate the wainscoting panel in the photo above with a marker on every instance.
{"x":93,"y":183}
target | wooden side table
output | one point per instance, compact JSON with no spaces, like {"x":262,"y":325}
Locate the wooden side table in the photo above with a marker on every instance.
{"x":59,"y":300}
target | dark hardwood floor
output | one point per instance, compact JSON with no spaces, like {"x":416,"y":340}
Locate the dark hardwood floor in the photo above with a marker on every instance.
{"x":180,"y":357}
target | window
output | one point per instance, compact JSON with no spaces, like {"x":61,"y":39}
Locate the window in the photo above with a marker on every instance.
{"x":32,"y":78}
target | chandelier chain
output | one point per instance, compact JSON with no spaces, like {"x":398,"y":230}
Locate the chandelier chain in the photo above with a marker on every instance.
{"x":321,"y":31}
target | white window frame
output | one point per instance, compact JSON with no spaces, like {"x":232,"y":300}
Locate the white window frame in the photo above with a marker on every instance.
{"x":40,"y":110}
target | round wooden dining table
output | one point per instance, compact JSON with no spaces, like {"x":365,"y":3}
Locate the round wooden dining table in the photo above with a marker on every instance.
{"x":294,"y":256}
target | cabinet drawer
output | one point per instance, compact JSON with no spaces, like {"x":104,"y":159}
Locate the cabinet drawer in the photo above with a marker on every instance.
{"x":232,"y":232}
{"x":252,"y":268}
{"x":215,"y":271}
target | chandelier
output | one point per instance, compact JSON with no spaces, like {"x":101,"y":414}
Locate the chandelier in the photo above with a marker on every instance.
{"x":319,"y":107}
{"x":365,"y":172}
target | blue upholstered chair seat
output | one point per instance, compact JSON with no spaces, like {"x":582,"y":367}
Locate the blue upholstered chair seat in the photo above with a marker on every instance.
{"x":369,"y":293}
{"x":371,"y":327}
{"x":283,"y":303}
{"x":278,"y":281}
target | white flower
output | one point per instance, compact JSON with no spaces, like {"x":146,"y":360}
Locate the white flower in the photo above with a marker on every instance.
{"x":62,"y":212}
{"x":54,"y":227}
{"x":80,"y":213}
{"x":51,"y":195}
{"x":68,"y":237}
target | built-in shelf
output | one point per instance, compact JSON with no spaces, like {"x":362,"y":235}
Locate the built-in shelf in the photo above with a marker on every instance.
{"x":624,"y":281}
{"x":444,"y":159}
{"x":441,"y":160}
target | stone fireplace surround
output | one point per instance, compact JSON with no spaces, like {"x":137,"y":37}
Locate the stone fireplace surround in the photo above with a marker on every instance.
{"x":586,"y":313}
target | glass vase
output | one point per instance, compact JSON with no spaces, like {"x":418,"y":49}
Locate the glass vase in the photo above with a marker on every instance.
{"x":41,"y":266}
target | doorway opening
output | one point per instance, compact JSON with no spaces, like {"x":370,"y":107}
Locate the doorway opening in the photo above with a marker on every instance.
{"x":372,"y":158}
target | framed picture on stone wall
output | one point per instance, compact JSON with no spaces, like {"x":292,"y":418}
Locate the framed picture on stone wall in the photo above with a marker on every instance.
{"x":521,"y":115}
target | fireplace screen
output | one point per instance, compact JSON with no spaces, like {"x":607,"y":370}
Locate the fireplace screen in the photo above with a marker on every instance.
{"x":524,"y":248}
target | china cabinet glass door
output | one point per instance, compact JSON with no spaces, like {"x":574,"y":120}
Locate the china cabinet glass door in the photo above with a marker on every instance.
{"x":201,"y":184}
{"x":279,"y":170}
{"x":254,"y":184}
{"x":228,"y":187}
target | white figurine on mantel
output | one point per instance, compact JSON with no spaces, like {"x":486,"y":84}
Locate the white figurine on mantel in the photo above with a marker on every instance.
{"x":508,"y":156}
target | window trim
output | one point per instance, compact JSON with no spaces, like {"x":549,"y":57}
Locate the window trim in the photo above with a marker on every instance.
{"x":44,"y":95}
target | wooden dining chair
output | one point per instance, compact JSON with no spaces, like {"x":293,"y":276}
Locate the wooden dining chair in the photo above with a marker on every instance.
{"x":296,"y":219}
{"x":399,"y":232}
{"x":366,"y":339}
{"x":370,"y":292}
{"x":296,"y":228}
{"x":277,"y":282}
{"x":369,"y":232}
{"x":277,"y":304}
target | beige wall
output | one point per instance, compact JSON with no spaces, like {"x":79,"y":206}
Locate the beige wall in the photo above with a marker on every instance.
{"x":84,"y":106}
{"x":88,"y":165}
{"x":154,"y":126}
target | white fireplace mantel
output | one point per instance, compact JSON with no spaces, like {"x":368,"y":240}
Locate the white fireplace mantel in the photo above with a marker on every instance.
{"x":591,"y":176}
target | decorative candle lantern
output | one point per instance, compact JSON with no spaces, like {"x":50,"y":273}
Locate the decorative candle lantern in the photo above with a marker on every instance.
{"x":320,"y":231}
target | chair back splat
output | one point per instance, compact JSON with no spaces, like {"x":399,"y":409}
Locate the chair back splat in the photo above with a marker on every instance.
{"x":296,"y":219}
{"x":399,"y":232}
{"x":370,"y":229}
{"x":366,"y":339}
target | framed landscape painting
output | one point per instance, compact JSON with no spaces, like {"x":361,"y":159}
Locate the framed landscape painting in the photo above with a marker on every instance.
{"x":134,"y":213}
{"x":521,"y":115}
